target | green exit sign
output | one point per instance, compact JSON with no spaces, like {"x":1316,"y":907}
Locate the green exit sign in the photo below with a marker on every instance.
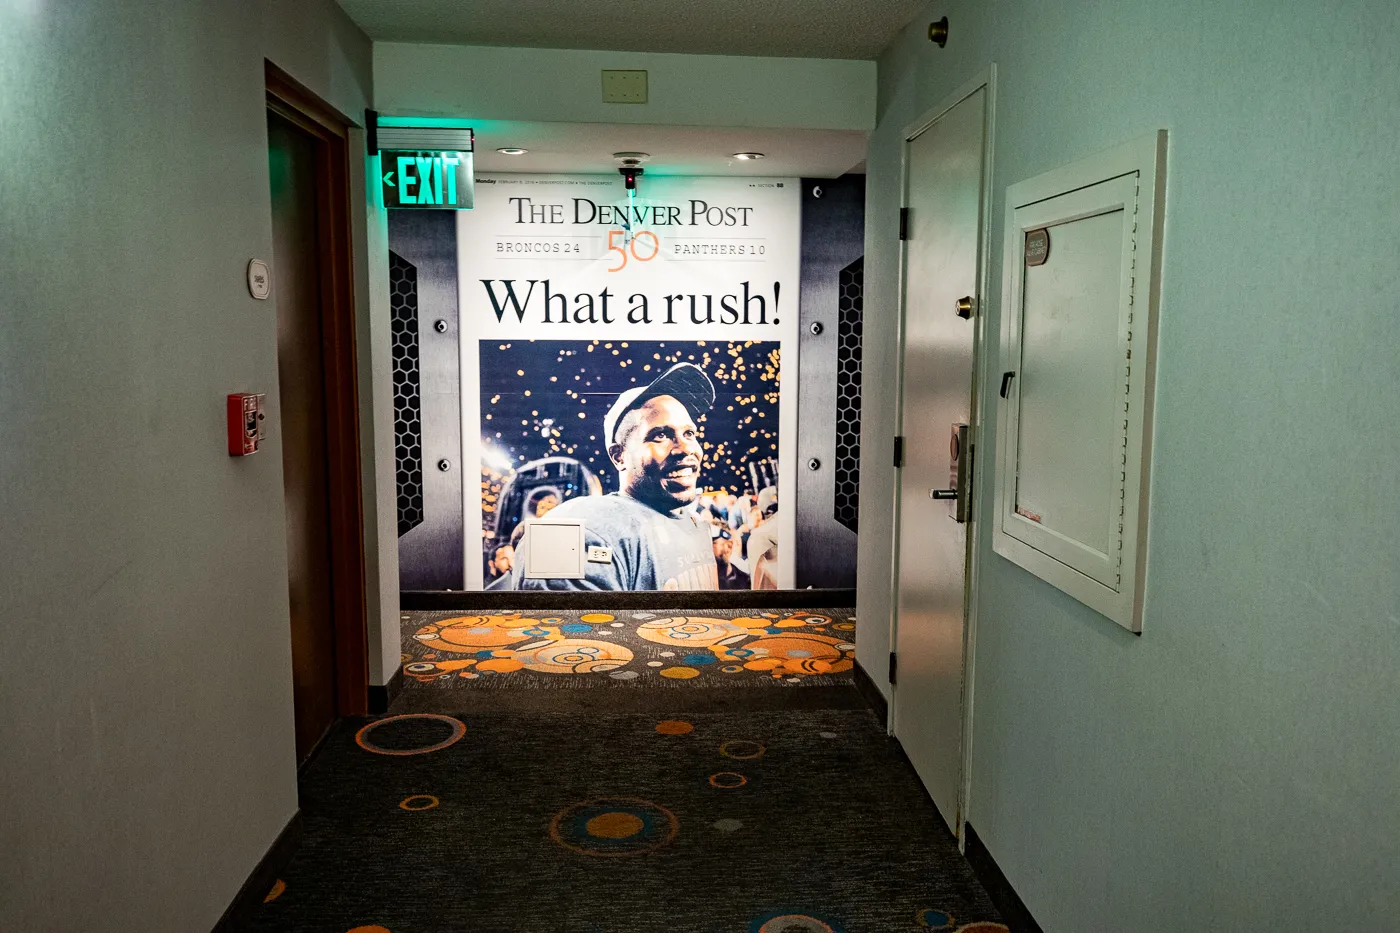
{"x":427,"y":180}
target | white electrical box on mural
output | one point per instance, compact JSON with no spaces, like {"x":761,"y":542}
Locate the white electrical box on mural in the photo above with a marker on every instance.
{"x":1082,"y":265}
{"x":553,"y":550}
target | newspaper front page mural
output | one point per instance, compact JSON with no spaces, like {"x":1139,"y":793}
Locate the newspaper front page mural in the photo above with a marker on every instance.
{"x":625,"y":356}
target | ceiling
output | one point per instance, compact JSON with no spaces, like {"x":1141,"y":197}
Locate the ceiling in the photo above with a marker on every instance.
{"x":584,"y":148}
{"x":857,"y":29}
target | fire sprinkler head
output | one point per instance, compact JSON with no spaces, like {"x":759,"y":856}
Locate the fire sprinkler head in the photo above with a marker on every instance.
{"x":629,"y":164}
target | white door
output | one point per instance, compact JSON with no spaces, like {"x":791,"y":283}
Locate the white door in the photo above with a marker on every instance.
{"x":944,"y":164}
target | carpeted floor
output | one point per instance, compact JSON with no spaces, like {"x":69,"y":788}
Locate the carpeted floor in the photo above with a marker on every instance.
{"x":700,"y":805}
{"x":799,"y":821}
{"x":446,"y":651}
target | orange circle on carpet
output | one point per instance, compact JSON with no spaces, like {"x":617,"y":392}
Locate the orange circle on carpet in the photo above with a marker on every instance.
{"x":742,"y":749}
{"x":473,"y":633}
{"x":596,"y":617}
{"x":726,"y":780}
{"x":405,"y":803}
{"x":680,"y":673}
{"x":615,"y":825}
{"x":763,"y":664}
{"x":276,"y":891}
{"x":457,"y":727}
{"x":674,"y":727}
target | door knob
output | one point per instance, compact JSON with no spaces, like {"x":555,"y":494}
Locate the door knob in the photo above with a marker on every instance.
{"x":964,"y":307}
{"x":942,"y":493}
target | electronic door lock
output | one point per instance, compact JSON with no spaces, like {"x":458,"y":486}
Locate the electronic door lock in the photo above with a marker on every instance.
{"x":959,"y":475}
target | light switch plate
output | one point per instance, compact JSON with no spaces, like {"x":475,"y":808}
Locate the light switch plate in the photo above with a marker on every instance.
{"x":624,"y":87}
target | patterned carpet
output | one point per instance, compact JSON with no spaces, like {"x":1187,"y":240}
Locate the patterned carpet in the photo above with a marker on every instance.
{"x":448,"y":651}
{"x":806,"y":821}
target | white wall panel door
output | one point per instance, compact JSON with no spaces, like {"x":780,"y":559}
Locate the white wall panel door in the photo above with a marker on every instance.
{"x":1078,"y":336}
{"x":944,"y":163}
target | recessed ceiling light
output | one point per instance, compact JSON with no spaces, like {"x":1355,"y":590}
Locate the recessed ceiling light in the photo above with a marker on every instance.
{"x":512,"y":150}
{"x":748,"y":156}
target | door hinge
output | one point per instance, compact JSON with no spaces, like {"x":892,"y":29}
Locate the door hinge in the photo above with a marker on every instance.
{"x":904,"y":223}
{"x":898,"y":450}
{"x":894,"y":667}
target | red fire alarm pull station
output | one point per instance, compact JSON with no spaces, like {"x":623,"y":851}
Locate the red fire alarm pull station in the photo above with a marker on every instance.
{"x":245,"y":423}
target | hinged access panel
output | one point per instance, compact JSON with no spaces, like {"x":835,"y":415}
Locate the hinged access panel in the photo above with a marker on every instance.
{"x":1081,"y":265}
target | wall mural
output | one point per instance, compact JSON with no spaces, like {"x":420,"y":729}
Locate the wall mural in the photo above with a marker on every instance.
{"x":624,"y":357}
{"x":673,"y":304}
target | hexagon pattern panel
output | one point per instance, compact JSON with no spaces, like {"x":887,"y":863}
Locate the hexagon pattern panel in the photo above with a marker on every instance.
{"x":849,"y":307}
{"x":408,"y":417}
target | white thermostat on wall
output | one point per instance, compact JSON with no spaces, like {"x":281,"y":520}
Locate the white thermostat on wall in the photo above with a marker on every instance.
{"x":259,"y":279}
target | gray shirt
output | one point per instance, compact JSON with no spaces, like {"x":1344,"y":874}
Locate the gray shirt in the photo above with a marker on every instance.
{"x":651,"y":550}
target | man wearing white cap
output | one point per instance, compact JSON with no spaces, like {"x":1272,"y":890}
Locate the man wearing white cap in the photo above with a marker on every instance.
{"x":657,"y":542}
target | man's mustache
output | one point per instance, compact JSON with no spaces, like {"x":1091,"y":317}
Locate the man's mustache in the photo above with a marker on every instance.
{"x":675,"y":462}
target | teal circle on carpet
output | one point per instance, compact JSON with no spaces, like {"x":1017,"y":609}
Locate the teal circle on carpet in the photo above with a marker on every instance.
{"x":614,"y":826}
{"x":935,"y":919}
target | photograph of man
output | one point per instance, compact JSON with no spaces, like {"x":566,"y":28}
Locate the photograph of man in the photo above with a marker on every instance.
{"x":656,"y":539}
{"x":730,"y":577}
{"x":762,"y":544}
{"x":499,"y":570}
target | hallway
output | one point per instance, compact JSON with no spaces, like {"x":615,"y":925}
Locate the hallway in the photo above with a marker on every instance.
{"x":592,"y":804}
{"x":1060,"y":340}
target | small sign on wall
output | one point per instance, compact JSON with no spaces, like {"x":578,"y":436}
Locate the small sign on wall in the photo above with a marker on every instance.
{"x":259,"y":279}
{"x":1037,"y":247}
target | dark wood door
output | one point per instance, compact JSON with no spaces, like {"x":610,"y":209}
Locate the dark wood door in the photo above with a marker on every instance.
{"x":297,"y":289}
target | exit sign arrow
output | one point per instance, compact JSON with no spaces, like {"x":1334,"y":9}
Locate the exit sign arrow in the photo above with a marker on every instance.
{"x":389,"y":179}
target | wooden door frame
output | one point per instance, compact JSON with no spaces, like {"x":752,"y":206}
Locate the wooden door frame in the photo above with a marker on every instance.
{"x":986,"y":80}
{"x":291,"y":100}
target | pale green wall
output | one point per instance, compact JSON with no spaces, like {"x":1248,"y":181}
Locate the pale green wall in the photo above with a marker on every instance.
{"x":147,"y":741}
{"x":565,"y":85}
{"x":1236,"y":767}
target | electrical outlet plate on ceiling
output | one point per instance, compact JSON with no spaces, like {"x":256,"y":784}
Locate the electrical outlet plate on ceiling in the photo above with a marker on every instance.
{"x":624,"y":87}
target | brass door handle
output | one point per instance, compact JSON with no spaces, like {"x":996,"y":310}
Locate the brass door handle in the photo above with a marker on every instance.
{"x":964,"y":307}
